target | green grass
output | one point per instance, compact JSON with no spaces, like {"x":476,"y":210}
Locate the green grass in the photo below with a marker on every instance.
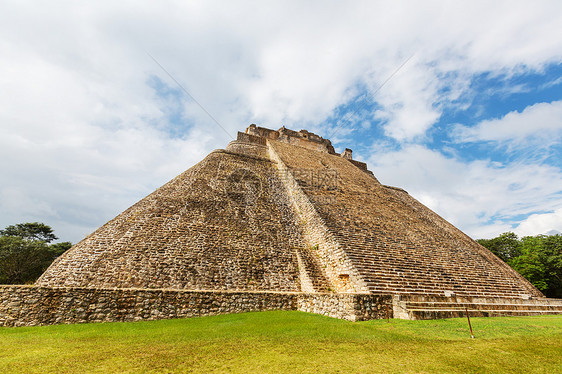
{"x":287,"y":342}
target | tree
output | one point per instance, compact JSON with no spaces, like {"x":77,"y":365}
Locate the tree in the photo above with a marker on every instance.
{"x":30,"y":231}
{"x":506,"y":246}
{"x":553,"y":262}
{"x":21,"y":260}
{"x":25,"y":253}
{"x":59,"y":248}
{"x":530,"y":263}
{"x":541,"y":263}
{"x":537,"y":258}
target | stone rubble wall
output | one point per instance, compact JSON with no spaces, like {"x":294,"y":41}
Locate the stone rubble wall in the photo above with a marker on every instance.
{"x":300,"y":138}
{"x":352,"y":307}
{"x":311,"y":271}
{"x":306,"y":281}
{"x":248,"y":145}
{"x":33,"y":306}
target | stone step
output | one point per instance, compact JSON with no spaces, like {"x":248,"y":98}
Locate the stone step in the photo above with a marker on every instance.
{"x":431,"y":306}
{"x":479,"y":306}
{"x":396,"y":258}
{"x":476,"y":299}
{"x":433,"y":281}
{"x":437,"y":293}
{"x":423,"y":273}
{"x":420,"y":314}
{"x":417,"y":268}
{"x":473,"y":291}
{"x":425,"y":277}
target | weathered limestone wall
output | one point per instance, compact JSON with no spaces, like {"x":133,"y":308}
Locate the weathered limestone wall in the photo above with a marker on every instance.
{"x":249,"y":149}
{"x":31,"y":306}
{"x":352,"y":307}
{"x":300,"y":138}
{"x":28,"y":306}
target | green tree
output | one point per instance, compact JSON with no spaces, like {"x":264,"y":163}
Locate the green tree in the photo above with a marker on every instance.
{"x":530,"y":263}
{"x":25,"y":252}
{"x":30,"y":231}
{"x":553,"y":262}
{"x":506,"y":246}
{"x":21,"y":260}
{"x":541,"y":263}
{"x":537,"y":258}
{"x":59,"y":248}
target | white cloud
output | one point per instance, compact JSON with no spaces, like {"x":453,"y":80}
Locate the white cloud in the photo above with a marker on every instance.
{"x":542,"y":121}
{"x":540,"y":223}
{"x":83,"y":133}
{"x":552,"y":83}
{"x":75,"y":187}
{"x":407,"y":103}
{"x":482,"y":198}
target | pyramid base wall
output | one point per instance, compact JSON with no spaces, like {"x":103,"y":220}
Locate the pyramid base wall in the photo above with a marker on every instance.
{"x":34,"y":306}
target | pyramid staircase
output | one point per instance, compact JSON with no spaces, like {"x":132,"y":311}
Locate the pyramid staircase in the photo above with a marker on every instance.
{"x":384,"y":274}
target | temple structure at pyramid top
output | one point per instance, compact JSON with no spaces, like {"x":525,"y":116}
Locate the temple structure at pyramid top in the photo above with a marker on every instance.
{"x":279,"y":210}
{"x":301,"y":138}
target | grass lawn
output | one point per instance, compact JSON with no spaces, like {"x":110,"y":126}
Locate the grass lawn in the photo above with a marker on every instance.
{"x":287,"y":342}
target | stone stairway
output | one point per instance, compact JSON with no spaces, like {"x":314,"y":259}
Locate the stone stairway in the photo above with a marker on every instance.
{"x":421,"y":275}
{"x":311,"y":275}
{"x":418,"y":306}
{"x":336,"y":266}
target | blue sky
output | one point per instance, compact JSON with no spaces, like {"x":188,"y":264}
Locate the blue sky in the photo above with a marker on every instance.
{"x":488,"y":97}
{"x":459,"y":103}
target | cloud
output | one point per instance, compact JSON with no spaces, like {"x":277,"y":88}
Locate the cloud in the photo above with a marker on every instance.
{"x":77,"y":186}
{"x":85,"y":131}
{"x":482,"y":198}
{"x":407,"y":103}
{"x":540,"y":224}
{"x":552,"y":83}
{"x":541,"y":122}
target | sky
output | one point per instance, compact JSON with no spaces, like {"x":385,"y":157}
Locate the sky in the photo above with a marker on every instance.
{"x":459,"y":103}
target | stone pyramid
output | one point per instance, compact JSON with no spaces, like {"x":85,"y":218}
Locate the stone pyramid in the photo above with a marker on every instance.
{"x":281,"y":211}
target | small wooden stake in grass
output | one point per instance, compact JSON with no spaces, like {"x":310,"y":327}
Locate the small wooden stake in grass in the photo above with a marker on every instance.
{"x":469,"y":325}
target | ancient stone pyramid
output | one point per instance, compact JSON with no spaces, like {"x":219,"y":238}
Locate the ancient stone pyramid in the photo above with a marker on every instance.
{"x":280,"y":211}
